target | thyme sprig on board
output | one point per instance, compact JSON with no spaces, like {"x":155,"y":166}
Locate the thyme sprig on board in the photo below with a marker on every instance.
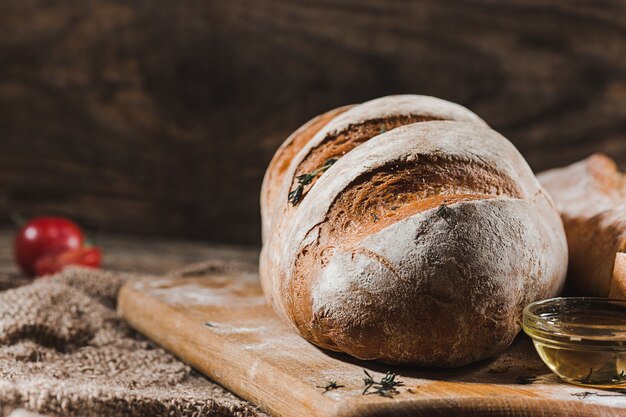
{"x":585,"y":394}
{"x":332,"y":385}
{"x":295,"y":195}
{"x":386,"y":387}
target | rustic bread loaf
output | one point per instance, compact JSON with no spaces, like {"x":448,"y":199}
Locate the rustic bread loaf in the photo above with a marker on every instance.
{"x":418,"y":244}
{"x":591,"y":196}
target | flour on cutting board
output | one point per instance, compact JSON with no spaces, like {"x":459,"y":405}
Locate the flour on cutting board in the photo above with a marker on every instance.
{"x":223,"y":293}
{"x":284,"y":345}
{"x":226,"y":328}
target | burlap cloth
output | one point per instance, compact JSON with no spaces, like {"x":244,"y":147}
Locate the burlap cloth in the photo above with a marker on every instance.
{"x":64,"y":351}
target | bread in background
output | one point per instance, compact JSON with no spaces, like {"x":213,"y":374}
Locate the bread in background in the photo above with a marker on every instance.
{"x":591,"y":196}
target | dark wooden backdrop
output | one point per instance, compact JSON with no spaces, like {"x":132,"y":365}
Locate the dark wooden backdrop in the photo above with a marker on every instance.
{"x":157,"y":116}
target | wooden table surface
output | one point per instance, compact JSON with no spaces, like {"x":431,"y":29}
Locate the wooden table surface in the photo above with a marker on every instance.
{"x":219,"y":323}
{"x":141,"y":254}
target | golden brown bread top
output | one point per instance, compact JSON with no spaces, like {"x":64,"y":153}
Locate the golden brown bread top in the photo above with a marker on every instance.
{"x":591,"y":196}
{"x":337,"y":144}
{"x":392,"y":192}
{"x":586,"y":188}
{"x":282,"y":158}
{"x":335,"y":133}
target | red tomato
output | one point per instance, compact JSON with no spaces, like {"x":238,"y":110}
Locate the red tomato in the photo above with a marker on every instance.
{"x":45,"y":236}
{"x":51,"y":264}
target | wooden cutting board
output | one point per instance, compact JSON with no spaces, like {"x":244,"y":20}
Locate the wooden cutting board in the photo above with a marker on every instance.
{"x":219,"y":324}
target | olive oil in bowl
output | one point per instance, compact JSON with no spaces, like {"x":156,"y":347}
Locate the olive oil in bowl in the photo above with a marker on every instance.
{"x":581,"y":339}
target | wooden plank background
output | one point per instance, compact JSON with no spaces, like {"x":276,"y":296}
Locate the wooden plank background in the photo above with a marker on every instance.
{"x":160,"y":117}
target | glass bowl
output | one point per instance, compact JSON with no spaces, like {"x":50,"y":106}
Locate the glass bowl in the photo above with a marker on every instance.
{"x":581,"y":339}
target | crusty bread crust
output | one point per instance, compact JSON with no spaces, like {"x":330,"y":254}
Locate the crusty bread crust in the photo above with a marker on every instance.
{"x":350,"y":126}
{"x":282,"y":159}
{"x":347,"y":127}
{"x":420,"y":245}
{"x":591,"y":196}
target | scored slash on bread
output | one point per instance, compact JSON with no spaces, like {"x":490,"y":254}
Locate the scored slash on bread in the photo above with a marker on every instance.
{"x":591,"y":196}
{"x":336,"y":132}
{"x":283,"y":158}
{"x":419,"y":245}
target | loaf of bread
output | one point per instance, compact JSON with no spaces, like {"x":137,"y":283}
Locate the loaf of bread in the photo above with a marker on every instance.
{"x":405,"y":230}
{"x":591,"y":196}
